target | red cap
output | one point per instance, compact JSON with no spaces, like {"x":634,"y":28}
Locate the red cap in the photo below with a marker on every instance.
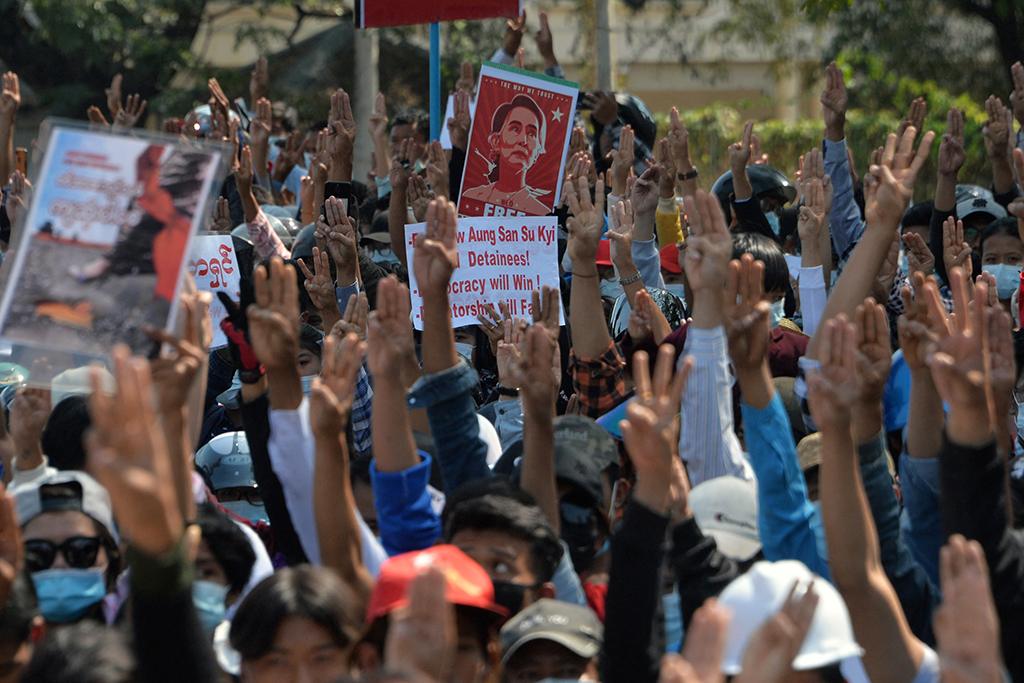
{"x":468,"y":584}
{"x":604,"y":253}
{"x":670,"y":258}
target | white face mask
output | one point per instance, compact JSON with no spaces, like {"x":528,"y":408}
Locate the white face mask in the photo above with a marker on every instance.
{"x":611,"y":289}
{"x":465,"y":350}
{"x":307,"y":382}
{"x":383,"y":256}
{"x":773,"y":220}
{"x":1007,"y":278}
{"x":777,"y":313}
{"x":678,"y":289}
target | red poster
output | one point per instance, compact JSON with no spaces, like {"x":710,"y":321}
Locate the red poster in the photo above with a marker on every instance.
{"x":517,"y":144}
{"x":377,"y":13}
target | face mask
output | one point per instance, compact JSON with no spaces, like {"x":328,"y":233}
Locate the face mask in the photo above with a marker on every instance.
{"x":510,"y":595}
{"x":247,"y":510}
{"x":1007,"y":278}
{"x":678,"y":290}
{"x":673,"y":621}
{"x":610,"y":289}
{"x":773,"y":220}
{"x":307,"y":382}
{"x":1020,"y":424}
{"x":904,"y":262}
{"x":579,"y":531}
{"x":384,"y":256}
{"x":65,"y":595}
{"x":465,"y":350}
{"x":777,"y":313}
{"x":208,"y":597}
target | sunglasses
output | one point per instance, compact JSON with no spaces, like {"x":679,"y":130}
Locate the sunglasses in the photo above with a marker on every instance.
{"x":79,"y":552}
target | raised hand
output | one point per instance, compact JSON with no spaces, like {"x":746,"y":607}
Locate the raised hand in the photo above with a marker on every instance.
{"x":244,"y":172}
{"x":951,"y":150}
{"x":890,"y":183}
{"x":1003,"y":368}
{"x":956,"y":253}
{"x":113,"y":94}
{"x":622,"y":162}
{"x":129,"y":115}
{"x":331,"y":395}
{"x":261,"y":123}
{"x":467,"y":80}
{"x":422,"y":639}
{"x":319,"y":284}
{"x":389,"y":336}
{"x":545,"y":42}
{"x":874,"y":353}
{"x":128,"y":455}
{"x":919,"y":257}
{"x":700,"y":660}
{"x":290,"y":155}
{"x":772,"y":648}
{"x":812,"y":213}
{"x":19,"y":197}
{"x":746,"y":314}
{"x":12,"y":548}
{"x":960,"y":363}
{"x":528,"y":364}
{"x":219,"y":102}
{"x":175,"y":369}
{"x":967,"y":624}
{"x":341,"y":127}
{"x":998,"y":130}
{"x":646,"y":190}
{"x":1017,"y":97}
{"x":640,"y":319}
{"x":709,"y":245}
{"x":459,"y":124}
{"x":756,"y":155}
{"x":915,"y":329}
{"x":339,"y":234}
{"x":221,"y":217}
{"x":320,"y":161}
{"x":514,"y":34}
{"x":10,"y":97}
{"x":274,"y":318}
{"x":669,"y":171}
{"x":584,"y":225}
{"x":663,"y":393}
{"x":437,"y":169}
{"x":545,"y":306}
{"x":493,"y":324}
{"x":740,"y":152}
{"x":832,"y":390}
{"x":420,"y":197}
{"x":401,"y":167}
{"x":436,"y":255}
{"x":29,"y":412}
{"x":915,"y":116}
{"x":679,"y":140}
{"x":620,"y":237}
{"x":96,"y":116}
{"x":378,"y":124}
{"x":833,"y":103}
{"x":259,"y":79}
{"x":356,"y":315}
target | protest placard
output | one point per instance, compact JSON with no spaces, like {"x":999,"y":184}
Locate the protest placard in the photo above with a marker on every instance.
{"x":378,"y":13}
{"x":517,"y":143}
{"x":214,"y":268}
{"x":104,"y":240}
{"x":500,"y":259}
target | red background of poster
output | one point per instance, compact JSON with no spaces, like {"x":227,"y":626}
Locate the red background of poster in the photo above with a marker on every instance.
{"x":374,"y":13}
{"x":544,"y":173}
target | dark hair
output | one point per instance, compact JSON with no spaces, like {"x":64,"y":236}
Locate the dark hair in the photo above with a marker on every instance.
{"x":1000,"y":226}
{"x":65,"y":429}
{"x":285,"y":114}
{"x":415,"y":117}
{"x":502,"y":507}
{"x":229,"y":545}
{"x":359,"y":469}
{"x":918,"y":214}
{"x":768,"y":251}
{"x":501,"y":115}
{"x":307,"y":592}
{"x":1018,"y":351}
{"x":21,"y":608}
{"x":85,"y":652}
{"x":311,"y":340}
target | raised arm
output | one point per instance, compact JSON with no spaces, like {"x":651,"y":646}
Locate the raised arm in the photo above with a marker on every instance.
{"x":590,"y":335}
{"x":10,"y":100}
{"x":999,"y":144}
{"x":341,"y":136}
{"x":844,"y":216}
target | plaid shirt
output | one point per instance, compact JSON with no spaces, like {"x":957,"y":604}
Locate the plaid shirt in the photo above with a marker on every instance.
{"x":599,"y":383}
{"x":362,"y":413}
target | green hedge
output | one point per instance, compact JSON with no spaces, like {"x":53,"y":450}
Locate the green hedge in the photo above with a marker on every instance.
{"x":713,"y":129}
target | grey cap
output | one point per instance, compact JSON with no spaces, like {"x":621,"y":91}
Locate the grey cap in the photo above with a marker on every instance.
{"x":92,"y":499}
{"x":571,"y":626}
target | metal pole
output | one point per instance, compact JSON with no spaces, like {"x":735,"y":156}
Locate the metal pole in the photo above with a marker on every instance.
{"x":435,"y":81}
{"x":367,"y":48}
{"x":603,"y":44}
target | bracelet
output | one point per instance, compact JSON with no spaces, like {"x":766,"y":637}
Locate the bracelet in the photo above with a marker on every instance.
{"x":582,"y":275}
{"x":629,"y":280}
{"x":688,"y":176}
{"x":505,"y":391}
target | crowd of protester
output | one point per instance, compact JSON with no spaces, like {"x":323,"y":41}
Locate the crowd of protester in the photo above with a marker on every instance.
{"x":776,"y":438}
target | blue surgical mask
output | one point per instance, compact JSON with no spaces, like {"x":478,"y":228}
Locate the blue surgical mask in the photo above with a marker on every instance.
{"x":384,"y":256}
{"x":904,"y":262}
{"x":679,"y":290}
{"x":208,"y":597}
{"x":65,"y":595}
{"x":773,"y":220}
{"x":307,"y":382}
{"x":777,"y":313}
{"x":673,"y":621}
{"x":611,"y":289}
{"x":465,"y":350}
{"x":250,"y":511}
{"x":1020,"y":427}
{"x":1007,"y":278}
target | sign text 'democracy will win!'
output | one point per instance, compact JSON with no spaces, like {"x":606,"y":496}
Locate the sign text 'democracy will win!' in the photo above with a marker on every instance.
{"x":500,"y":259}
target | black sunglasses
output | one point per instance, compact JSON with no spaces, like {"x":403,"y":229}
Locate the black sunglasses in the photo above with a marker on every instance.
{"x":79,"y":552}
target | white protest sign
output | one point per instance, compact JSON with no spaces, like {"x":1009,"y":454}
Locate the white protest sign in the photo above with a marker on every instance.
{"x":214,"y":268}
{"x":500,"y":259}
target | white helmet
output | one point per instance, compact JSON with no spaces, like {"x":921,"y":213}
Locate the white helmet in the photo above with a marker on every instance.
{"x":757,"y":595}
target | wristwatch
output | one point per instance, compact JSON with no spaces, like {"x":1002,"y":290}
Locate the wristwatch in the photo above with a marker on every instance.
{"x":629,"y":280}
{"x":505,"y":391}
{"x":688,"y":176}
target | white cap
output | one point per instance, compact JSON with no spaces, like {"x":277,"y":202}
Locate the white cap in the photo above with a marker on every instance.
{"x":725,"y":508}
{"x":756,"y":596}
{"x":78,"y":382}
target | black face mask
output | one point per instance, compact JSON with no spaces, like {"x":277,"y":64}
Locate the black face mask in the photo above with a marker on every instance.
{"x":579,"y":531}
{"x":510,"y":595}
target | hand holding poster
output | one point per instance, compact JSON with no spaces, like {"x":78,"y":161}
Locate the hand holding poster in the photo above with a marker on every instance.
{"x":104,"y":240}
{"x":518,"y":143}
{"x":214,"y":268}
{"x":500,"y":259}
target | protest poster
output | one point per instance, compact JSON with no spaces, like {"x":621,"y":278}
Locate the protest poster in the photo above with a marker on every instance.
{"x":500,"y":259}
{"x":214,"y":268}
{"x":517,"y":143}
{"x":449,"y":113}
{"x":380,"y":13}
{"x":104,"y":240}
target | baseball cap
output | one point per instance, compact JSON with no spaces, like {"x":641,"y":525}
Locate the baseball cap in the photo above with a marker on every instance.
{"x":381,"y":237}
{"x":758,"y":594}
{"x":725,"y":508}
{"x":808,"y":451}
{"x":78,"y":381}
{"x":90,"y":498}
{"x":670,"y":258}
{"x":571,"y":626}
{"x":467,"y":583}
{"x":604,"y":253}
